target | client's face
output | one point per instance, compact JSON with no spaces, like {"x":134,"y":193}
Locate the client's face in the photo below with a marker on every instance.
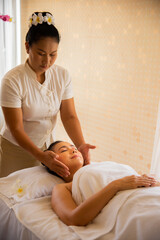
{"x":70,"y":156}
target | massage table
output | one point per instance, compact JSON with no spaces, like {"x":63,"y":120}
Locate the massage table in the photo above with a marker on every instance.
{"x":26,"y":212}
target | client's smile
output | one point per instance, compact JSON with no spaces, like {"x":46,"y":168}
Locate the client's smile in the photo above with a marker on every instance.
{"x":75,"y":156}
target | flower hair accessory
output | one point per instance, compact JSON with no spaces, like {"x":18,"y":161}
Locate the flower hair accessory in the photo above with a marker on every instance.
{"x":39,"y":19}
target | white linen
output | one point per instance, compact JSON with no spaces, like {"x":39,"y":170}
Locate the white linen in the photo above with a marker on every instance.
{"x":90,"y":179}
{"x":10,"y":227}
{"x":139,"y":217}
{"x":35,"y":181}
{"x":38,"y":216}
{"x":133,"y":214}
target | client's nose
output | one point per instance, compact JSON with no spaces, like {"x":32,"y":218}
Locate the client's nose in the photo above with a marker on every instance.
{"x":74,"y":150}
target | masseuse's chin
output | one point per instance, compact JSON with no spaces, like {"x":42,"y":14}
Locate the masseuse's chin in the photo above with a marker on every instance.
{"x":44,"y":67}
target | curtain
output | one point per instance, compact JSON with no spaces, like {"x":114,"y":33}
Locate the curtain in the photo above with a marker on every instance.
{"x":9,"y":32}
{"x":155,"y":165}
{"x":9,"y":39}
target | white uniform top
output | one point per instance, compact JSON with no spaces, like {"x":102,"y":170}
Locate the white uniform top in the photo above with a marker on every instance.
{"x":40,"y":103}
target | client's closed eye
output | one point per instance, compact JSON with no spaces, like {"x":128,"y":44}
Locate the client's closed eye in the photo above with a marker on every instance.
{"x":64,"y":150}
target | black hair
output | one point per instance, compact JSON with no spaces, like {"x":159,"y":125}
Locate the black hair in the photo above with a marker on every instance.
{"x":49,"y":149}
{"x":52,"y":145}
{"x":35,"y":33}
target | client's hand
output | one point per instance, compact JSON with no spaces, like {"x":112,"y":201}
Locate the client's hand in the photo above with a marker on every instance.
{"x":156,"y":183}
{"x":50,"y":159}
{"x":131,"y":182}
{"x":84,"y":149}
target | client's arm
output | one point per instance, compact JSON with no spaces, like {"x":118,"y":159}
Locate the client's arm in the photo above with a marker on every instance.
{"x":71,"y":214}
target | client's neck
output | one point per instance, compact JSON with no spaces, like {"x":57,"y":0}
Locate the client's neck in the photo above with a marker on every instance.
{"x":69,"y":178}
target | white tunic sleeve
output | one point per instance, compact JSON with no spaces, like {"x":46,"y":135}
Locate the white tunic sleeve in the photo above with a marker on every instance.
{"x":10,"y":93}
{"x":68,"y":92}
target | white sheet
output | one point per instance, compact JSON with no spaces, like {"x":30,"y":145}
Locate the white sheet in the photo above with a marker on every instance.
{"x":138,"y":218}
{"x":10,"y":227}
{"x":38,"y":216}
{"x":114,"y":221}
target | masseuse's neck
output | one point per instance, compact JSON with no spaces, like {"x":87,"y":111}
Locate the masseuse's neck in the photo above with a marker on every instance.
{"x":40,"y":75}
{"x":41,"y":78}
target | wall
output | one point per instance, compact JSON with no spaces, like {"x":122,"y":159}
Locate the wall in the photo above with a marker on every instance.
{"x":112,"y":50}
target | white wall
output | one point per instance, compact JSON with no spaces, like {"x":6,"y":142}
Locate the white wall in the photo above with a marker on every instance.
{"x":112,"y":51}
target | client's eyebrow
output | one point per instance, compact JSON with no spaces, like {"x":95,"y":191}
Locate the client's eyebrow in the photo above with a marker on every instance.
{"x":65,"y":147}
{"x":61,"y":147}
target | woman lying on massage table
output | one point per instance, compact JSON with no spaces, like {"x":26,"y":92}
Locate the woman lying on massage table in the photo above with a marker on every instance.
{"x":80,"y":215}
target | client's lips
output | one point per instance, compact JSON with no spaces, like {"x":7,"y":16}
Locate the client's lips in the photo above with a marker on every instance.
{"x":75,"y":156}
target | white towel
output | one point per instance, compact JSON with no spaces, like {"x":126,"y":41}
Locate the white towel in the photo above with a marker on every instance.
{"x":91,"y":179}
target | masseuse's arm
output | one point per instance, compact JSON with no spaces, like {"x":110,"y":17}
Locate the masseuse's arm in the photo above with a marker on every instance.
{"x":71,"y":214}
{"x":73,"y":128}
{"x":14,"y":120}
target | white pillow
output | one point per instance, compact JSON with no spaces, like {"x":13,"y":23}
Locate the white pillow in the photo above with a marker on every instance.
{"x":28,"y":183}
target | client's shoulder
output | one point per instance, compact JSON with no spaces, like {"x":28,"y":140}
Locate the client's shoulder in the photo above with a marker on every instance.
{"x":62,"y":187}
{"x":60,"y":193}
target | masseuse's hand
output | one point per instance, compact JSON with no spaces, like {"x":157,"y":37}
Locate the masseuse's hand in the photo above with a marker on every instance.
{"x":50,"y":159}
{"x":84,"y":149}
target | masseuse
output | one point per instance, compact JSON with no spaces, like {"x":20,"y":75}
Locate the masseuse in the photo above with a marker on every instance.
{"x":32,"y":94}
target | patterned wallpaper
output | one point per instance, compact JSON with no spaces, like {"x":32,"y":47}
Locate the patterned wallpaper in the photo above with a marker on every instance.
{"x":112,"y":50}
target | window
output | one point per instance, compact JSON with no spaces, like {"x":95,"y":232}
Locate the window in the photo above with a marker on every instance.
{"x":10,"y":36}
{"x":9,"y":40}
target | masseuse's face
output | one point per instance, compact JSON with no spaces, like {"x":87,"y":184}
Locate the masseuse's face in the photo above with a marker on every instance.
{"x":42,"y":54}
{"x":69,"y":155}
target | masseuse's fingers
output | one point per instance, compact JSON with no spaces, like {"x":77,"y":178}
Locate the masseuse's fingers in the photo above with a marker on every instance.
{"x":86,"y":146}
{"x":60,"y":168}
{"x":50,"y":159}
{"x":84,"y":149}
